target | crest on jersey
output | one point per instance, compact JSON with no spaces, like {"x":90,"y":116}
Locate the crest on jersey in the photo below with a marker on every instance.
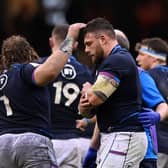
{"x":68,"y":72}
{"x":3,"y":81}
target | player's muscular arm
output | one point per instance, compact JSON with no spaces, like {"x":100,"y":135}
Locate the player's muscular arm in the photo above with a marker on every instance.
{"x":102,"y":89}
{"x":96,"y":94}
{"x":95,"y":141}
{"x":49,"y":70}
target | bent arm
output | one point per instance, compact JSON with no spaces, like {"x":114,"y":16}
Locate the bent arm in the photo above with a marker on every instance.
{"x":50,"y":69}
{"x":102,"y":89}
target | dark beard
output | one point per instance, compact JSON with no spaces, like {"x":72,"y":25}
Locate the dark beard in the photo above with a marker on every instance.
{"x":98,"y":61}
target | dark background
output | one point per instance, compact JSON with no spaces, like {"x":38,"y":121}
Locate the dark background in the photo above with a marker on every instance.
{"x":137,"y":18}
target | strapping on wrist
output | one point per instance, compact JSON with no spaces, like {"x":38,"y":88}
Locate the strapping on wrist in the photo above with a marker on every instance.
{"x":67,"y":45}
{"x":86,"y":120}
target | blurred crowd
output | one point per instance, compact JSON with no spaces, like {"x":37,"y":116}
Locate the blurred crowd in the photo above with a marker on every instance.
{"x":35,"y":18}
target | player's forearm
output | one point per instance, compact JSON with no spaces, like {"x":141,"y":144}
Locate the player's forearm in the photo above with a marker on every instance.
{"x":102,"y":89}
{"x":47,"y":71}
{"x":50,"y":69}
{"x":95,"y":141}
{"x":162,"y":109}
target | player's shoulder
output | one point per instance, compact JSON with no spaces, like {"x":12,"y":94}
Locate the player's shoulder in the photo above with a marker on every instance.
{"x":118,"y":59}
{"x":16,"y":67}
{"x":142,"y":72}
{"x":159,"y":71}
{"x":119,"y":51}
{"x":80,"y":67}
{"x":158,"y":68}
{"x":119,"y":55}
{"x":20,"y":66}
{"x":11,"y":73}
{"x":73,"y":61}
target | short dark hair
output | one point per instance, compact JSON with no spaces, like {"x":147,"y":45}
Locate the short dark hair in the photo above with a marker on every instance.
{"x":59,"y":32}
{"x":16,"y":49}
{"x":100,"y":24}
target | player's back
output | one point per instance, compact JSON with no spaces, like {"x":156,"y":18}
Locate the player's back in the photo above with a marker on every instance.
{"x":160,"y":75}
{"x":65,"y":94}
{"x":21,"y":102}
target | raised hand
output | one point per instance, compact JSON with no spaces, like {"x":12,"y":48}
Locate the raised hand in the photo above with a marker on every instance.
{"x":74,"y":30}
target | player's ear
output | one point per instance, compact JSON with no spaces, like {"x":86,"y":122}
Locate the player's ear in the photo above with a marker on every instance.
{"x":51,"y":43}
{"x":103,"y":39}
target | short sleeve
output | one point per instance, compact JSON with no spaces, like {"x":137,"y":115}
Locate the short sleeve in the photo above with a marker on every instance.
{"x":116,"y":65}
{"x":27,"y":73}
{"x":150,"y":94}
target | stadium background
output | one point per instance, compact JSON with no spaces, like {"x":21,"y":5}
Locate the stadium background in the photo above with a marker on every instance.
{"x":34,"y":19}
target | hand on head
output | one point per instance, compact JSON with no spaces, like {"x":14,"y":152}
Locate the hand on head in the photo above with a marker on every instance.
{"x":74,"y":30}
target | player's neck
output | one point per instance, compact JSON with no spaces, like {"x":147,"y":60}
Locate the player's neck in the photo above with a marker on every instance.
{"x":109,"y":47}
{"x":156,"y":64}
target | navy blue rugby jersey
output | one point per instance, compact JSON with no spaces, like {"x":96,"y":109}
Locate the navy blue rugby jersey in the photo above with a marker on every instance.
{"x":160,"y":76}
{"x":151,"y":96}
{"x":65,"y":95}
{"x":24,"y":107}
{"x":120,"y":110}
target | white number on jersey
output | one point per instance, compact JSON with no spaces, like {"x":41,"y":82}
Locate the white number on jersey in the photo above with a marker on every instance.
{"x":8,"y":109}
{"x":70,"y":91}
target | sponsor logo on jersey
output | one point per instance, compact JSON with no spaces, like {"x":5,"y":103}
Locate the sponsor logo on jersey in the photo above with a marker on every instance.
{"x":68,"y":72}
{"x":3,"y":81}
